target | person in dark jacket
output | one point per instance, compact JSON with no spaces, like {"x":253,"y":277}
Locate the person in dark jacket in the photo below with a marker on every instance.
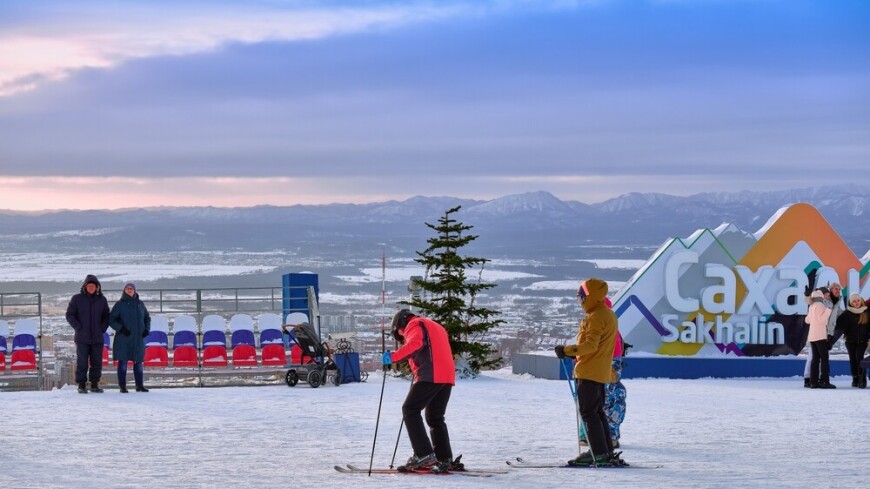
{"x":88,"y":314}
{"x":132,"y":323}
{"x":854,"y":323}
{"x":426,"y":347}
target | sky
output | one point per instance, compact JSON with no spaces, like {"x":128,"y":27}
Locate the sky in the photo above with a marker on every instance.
{"x":175,"y":103}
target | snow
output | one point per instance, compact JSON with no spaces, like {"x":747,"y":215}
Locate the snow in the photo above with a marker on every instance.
{"x":58,"y":267}
{"x":616,"y":264}
{"x":404,"y":274}
{"x":612,"y":285}
{"x":707,"y":433}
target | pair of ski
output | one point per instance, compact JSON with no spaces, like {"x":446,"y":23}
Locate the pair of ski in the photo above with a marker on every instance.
{"x":519,"y":463}
{"x":353,"y":469}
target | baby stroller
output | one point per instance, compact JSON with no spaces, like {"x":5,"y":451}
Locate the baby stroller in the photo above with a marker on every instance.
{"x":317,"y":366}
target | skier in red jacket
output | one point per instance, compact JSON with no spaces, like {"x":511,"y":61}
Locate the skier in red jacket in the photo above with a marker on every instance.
{"x":426,"y":346}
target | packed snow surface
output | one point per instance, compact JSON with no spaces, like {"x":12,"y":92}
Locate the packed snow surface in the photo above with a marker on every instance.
{"x":706,"y":433}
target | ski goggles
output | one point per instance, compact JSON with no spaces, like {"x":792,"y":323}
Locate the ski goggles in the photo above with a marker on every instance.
{"x":582,"y":292}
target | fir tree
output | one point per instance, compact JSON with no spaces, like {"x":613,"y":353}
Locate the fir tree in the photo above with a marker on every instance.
{"x":449,"y":296}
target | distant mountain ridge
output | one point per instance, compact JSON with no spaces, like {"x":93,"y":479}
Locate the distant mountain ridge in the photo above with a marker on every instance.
{"x":523,"y":222}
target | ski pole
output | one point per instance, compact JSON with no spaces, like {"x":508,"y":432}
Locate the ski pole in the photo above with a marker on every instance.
{"x":581,"y":425}
{"x":576,"y":402}
{"x":378,"y":419}
{"x":396,"y":449}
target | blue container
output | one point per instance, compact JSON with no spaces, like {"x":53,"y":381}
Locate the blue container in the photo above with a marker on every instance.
{"x":348,"y":363}
{"x":295,"y":293}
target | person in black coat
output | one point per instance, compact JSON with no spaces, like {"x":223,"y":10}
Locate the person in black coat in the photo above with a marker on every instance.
{"x":88,"y":314}
{"x":854,"y":323}
{"x":132,"y":323}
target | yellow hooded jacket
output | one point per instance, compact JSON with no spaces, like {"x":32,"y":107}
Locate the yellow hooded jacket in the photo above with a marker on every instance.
{"x":597,"y":335}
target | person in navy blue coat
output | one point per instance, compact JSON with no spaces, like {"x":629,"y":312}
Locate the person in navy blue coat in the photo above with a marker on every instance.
{"x":132,"y":323}
{"x":88,"y":314}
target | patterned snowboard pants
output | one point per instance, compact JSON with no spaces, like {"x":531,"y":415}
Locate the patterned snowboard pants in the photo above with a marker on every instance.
{"x":614,"y":402}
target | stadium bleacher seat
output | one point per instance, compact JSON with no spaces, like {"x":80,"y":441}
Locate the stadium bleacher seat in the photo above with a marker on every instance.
{"x":23,"y":360}
{"x":107,"y":343}
{"x":272,"y":350}
{"x":184,"y":344}
{"x":242,"y":341}
{"x":214,"y":341}
{"x":159,"y":334}
{"x":157,"y":343}
{"x":25,"y":335}
{"x":4,"y":333}
{"x":274,"y":355}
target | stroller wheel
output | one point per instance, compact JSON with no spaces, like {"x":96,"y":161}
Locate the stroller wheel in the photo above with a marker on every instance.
{"x":292,"y":378}
{"x":336,"y":378}
{"x":314,"y":379}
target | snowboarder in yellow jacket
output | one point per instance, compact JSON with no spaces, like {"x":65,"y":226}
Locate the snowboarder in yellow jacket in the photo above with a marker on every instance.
{"x":594,"y":354}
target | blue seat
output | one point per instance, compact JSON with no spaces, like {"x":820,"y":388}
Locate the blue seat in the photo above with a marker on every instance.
{"x":271,"y":337}
{"x":25,"y":335}
{"x":214,"y":338}
{"x":184,"y":338}
{"x":23,"y":342}
{"x":242,"y":337}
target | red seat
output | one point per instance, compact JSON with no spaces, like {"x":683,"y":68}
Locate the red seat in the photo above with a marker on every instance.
{"x":274,"y":355}
{"x":156,"y":357}
{"x":105,"y":355}
{"x":2,"y":361}
{"x":214,"y":356}
{"x":244,"y":356}
{"x":23,"y":360}
{"x":296,"y":357}
{"x":185,"y":356}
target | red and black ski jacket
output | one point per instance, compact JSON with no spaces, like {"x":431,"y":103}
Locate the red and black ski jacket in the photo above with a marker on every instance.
{"x":427,"y":349}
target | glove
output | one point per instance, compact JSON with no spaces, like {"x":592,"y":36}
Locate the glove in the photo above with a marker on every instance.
{"x":144,"y":334}
{"x":386,"y":360}
{"x":560,"y":351}
{"x":830,"y":342}
{"x":124,"y":331}
{"x":811,"y":282}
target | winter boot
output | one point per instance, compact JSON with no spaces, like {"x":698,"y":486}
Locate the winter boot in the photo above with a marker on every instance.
{"x":616,"y":459}
{"x":141,"y":388}
{"x":807,"y":382}
{"x":856,"y":381}
{"x":123,"y":389}
{"x":448,"y":465}
{"x":95,"y":387}
{"x":824,"y":384}
{"x":83,"y":388}
{"x":419,"y":463}
{"x":863,"y":384}
{"x":586,"y":459}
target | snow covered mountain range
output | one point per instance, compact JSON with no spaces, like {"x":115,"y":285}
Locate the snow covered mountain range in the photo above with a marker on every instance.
{"x":527,"y":223}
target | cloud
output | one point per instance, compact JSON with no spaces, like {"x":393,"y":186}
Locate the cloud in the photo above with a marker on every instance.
{"x":321,"y":102}
{"x":54,"y":42}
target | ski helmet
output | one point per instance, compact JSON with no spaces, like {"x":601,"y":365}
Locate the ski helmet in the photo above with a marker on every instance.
{"x":400,"y":321}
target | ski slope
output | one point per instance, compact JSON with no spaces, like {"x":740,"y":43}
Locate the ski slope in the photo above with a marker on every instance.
{"x":706,"y":433}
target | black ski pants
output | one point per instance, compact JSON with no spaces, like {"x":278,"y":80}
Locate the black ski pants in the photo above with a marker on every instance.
{"x":591,"y":402}
{"x":433,"y":398}
{"x":820,"y":367}
{"x":86,"y":354}
{"x":856,"y":354}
